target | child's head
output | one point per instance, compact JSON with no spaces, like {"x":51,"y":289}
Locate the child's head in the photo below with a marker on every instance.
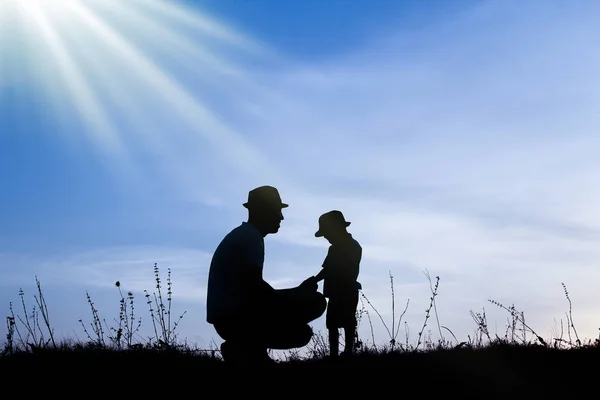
{"x":332,"y":225}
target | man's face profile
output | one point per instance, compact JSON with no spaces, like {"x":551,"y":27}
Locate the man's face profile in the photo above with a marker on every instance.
{"x":270,"y":216}
{"x":274,"y":218}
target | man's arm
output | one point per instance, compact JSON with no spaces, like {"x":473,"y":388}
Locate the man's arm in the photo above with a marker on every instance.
{"x":254,"y":257}
{"x":320,"y":276}
{"x":255,"y":280}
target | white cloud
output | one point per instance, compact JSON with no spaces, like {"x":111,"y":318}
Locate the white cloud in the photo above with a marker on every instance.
{"x":472,"y":156}
{"x":133,"y":267}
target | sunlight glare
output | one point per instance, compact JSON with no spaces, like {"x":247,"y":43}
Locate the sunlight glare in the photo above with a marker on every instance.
{"x":84,"y":98}
{"x":32,"y":6}
{"x":182,"y":15}
{"x":50,"y":37}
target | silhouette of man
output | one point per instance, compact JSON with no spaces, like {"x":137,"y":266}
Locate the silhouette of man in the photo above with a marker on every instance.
{"x":247,"y":312}
{"x":339,"y":274}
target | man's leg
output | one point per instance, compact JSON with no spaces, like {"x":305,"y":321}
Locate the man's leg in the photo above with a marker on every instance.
{"x":278,"y":322}
{"x":284,"y":318}
{"x":254,"y":337}
{"x":243,"y":344}
{"x":297,"y":306}
{"x":285,"y":337}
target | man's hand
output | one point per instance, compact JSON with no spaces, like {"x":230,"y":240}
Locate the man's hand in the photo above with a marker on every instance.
{"x":309,"y":284}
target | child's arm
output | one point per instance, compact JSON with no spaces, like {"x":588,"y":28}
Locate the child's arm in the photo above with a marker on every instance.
{"x":323,"y":273}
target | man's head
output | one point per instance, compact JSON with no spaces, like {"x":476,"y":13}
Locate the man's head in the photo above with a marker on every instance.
{"x":332,"y":226}
{"x":265,"y":209}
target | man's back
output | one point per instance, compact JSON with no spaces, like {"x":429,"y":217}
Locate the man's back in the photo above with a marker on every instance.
{"x":235,"y":263}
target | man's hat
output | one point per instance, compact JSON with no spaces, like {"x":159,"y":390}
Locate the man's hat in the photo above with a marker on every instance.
{"x":264,"y":196}
{"x":331,"y":219}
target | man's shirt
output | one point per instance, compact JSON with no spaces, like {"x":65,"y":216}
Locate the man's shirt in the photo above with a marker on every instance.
{"x":235,"y":273}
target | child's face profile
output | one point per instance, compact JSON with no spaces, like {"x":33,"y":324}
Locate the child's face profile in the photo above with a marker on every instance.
{"x":331,"y":235}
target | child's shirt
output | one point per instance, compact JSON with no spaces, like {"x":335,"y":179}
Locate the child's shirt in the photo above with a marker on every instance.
{"x":341,"y":267}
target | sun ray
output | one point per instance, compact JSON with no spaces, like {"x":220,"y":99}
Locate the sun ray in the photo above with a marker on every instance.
{"x":11,"y":40}
{"x":196,"y":58}
{"x":136,"y":76}
{"x":122,"y":93}
{"x":196,"y":55}
{"x":84,"y":98}
{"x":230,"y":145}
{"x":183,"y":15}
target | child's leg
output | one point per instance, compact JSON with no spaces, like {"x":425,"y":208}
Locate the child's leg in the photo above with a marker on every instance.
{"x":349,"y":332}
{"x":334,"y":342}
{"x":350,"y":322}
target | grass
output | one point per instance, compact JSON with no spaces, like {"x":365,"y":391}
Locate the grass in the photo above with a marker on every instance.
{"x":519,"y":361}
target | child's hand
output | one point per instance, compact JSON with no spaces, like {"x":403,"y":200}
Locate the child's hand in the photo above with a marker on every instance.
{"x":310,"y":284}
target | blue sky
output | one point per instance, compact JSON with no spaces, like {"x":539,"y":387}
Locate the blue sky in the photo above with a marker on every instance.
{"x":458,"y":137}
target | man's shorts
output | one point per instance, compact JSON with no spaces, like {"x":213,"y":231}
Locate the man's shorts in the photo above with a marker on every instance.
{"x":341,"y":310}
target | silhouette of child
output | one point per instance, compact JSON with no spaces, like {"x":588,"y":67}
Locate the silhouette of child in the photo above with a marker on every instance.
{"x":339,"y":274}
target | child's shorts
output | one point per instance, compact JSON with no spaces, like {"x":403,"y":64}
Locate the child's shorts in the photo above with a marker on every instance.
{"x":341,"y":310}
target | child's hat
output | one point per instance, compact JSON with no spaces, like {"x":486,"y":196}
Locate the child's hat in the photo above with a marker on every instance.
{"x":332,"y":219}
